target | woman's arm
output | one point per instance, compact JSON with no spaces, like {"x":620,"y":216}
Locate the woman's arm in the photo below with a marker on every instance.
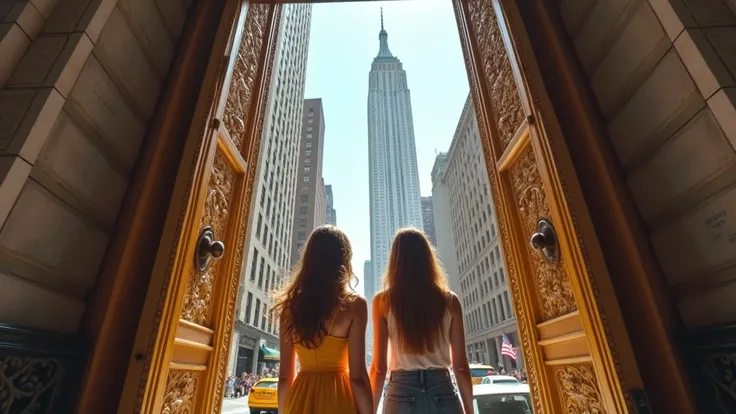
{"x":287,"y":370}
{"x":380,"y":347}
{"x":356,"y":358}
{"x":459,"y":358}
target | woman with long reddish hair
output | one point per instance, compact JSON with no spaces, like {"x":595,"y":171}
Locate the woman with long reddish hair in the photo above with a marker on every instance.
{"x":418,"y":334}
{"x":323,"y":323}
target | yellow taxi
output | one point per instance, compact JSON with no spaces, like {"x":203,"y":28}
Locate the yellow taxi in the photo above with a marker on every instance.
{"x":264,"y":396}
{"x":478,"y":371}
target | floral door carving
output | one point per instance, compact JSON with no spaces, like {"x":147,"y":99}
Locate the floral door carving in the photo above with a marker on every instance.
{"x":189,"y":341}
{"x":576,"y":349}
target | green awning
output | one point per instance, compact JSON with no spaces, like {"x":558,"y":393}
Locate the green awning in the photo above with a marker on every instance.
{"x":268,"y":354}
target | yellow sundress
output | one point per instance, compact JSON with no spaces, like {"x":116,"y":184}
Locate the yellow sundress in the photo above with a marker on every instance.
{"x":322,"y":385}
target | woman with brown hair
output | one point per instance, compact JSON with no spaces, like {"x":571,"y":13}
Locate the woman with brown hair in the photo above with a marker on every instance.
{"x":323,"y":323}
{"x":418,"y":334}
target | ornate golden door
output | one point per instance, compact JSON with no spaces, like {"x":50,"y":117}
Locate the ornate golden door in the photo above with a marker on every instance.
{"x":196,"y":277}
{"x":576,"y":348}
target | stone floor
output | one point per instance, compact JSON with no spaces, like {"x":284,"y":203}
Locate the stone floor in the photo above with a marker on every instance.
{"x":240,"y":406}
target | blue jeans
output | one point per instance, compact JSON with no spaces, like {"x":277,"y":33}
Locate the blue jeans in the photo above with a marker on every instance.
{"x":421,"y":392}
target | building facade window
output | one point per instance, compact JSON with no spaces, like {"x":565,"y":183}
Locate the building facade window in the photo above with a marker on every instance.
{"x":248,"y":305}
{"x":258,"y":312}
{"x":258,"y":226}
{"x":260,"y":273}
{"x":254,"y":265}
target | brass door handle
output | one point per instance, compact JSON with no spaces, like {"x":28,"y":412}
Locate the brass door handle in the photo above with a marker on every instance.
{"x":544,"y":240}
{"x":207,"y":248}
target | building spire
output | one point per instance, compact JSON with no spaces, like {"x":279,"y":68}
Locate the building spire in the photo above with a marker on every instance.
{"x":383,"y":51}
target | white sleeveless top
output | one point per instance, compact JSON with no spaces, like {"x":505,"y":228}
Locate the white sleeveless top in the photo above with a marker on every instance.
{"x":439,"y":358}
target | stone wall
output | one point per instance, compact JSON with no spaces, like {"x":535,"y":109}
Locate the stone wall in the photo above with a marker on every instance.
{"x":79,"y":84}
{"x":664,"y":75}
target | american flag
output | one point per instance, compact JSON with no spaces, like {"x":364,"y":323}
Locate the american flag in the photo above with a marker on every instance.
{"x":507,"y":349}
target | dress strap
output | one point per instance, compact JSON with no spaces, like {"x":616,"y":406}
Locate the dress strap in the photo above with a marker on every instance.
{"x":332,"y":321}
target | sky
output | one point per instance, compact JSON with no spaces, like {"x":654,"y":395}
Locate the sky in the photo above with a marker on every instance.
{"x":343,"y":42}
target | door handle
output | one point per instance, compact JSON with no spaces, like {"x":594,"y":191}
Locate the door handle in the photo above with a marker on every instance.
{"x":544,"y":240}
{"x":207,"y":248}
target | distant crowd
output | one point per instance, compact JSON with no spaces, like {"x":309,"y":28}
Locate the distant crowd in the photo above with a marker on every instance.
{"x":519,"y":374}
{"x":236,"y":387}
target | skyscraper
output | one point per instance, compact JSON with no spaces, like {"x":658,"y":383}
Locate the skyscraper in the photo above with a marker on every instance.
{"x":268,"y":254}
{"x":369,"y":290}
{"x":392,"y":155}
{"x":331,"y":212}
{"x":310,"y":206}
{"x":428,"y":219}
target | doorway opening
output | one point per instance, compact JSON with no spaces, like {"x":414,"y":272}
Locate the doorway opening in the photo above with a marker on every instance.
{"x":323,"y":161}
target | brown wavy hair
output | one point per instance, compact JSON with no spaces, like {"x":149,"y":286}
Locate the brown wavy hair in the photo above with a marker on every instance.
{"x":416,"y":291}
{"x":319,"y":286}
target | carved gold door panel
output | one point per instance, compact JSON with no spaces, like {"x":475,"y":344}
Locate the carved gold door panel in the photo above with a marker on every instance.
{"x":188,"y":341}
{"x":576,"y":348}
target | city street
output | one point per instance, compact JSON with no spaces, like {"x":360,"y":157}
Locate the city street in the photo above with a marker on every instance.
{"x":240,"y":406}
{"x":235,"y":406}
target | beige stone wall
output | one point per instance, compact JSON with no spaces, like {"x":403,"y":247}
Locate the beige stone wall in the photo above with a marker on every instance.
{"x":79,"y":84}
{"x":664,"y":75}
{"x":20,"y":24}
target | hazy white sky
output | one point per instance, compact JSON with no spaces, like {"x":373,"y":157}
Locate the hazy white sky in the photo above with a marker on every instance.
{"x":342,"y":45}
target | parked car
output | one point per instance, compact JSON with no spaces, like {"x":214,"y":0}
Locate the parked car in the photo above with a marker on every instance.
{"x":502,"y":399}
{"x":500,"y":379}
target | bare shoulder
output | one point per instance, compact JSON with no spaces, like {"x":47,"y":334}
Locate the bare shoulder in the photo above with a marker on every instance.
{"x":379,"y":303}
{"x":358,"y":305}
{"x":455,"y":306}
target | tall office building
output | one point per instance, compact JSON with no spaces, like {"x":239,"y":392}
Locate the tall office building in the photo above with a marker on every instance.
{"x":445,"y":244}
{"x":331,"y":212}
{"x":268,"y":254}
{"x":392,"y":155}
{"x":369,"y":283}
{"x":428,"y":219}
{"x":468,"y":243}
{"x":310,"y":204}
{"x":369,"y":290}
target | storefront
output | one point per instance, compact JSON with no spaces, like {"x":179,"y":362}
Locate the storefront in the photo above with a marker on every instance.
{"x":246,"y":351}
{"x":268,"y":358}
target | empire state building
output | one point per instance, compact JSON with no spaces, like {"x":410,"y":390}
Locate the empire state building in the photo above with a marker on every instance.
{"x":394,"y":180}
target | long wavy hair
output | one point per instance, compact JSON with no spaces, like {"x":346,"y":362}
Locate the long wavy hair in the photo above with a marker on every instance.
{"x":319,"y":286}
{"x":416,"y":291}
